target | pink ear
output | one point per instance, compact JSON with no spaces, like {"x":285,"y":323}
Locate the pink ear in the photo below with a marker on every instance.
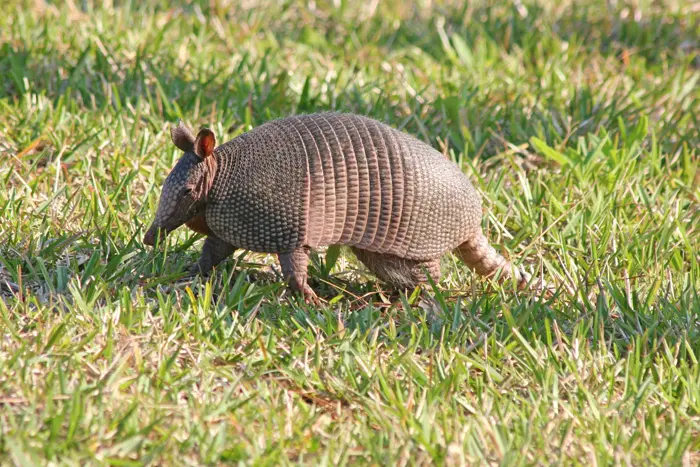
{"x":205,"y":143}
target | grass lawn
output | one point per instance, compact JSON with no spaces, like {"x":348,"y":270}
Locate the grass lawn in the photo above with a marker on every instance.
{"x":578,"y":122}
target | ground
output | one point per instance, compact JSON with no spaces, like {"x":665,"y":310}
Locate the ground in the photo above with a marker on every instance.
{"x":577,"y":122}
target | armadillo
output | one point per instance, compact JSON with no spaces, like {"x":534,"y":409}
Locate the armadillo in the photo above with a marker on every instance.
{"x":307,"y":181}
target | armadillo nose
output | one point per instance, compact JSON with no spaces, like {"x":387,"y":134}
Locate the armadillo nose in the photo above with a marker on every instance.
{"x":150,"y":237}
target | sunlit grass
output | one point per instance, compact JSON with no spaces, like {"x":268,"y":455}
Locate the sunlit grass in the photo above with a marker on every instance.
{"x":579,"y":124}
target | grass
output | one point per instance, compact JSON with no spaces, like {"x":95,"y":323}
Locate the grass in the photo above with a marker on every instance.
{"x":578,"y":123}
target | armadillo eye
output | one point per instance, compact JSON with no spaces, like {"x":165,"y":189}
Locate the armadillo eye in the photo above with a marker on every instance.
{"x":188,"y":190}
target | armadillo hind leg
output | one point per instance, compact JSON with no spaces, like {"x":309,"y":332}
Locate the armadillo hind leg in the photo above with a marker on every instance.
{"x":399,"y":272}
{"x":214,"y":252}
{"x":295,"y":271}
{"x":480,"y":256}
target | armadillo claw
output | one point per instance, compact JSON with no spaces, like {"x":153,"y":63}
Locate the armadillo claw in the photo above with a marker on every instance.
{"x":310,"y":296}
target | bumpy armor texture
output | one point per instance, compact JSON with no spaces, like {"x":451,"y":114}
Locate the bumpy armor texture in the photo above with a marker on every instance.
{"x":315,"y":180}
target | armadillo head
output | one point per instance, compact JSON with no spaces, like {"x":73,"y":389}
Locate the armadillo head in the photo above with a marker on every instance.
{"x":185,"y":190}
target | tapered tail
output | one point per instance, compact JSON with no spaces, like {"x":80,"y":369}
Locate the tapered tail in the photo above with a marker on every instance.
{"x":480,"y":256}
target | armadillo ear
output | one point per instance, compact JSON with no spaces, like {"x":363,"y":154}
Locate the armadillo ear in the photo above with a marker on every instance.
{"x":182,"y":137}
{"x":205,"y":143}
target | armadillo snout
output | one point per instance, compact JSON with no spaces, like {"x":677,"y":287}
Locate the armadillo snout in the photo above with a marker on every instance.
{"x":152,"y":234}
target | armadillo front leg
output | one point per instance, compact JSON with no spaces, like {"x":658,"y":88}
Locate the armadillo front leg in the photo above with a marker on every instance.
{"x":214,"y":252}
{"x":295,"y":271}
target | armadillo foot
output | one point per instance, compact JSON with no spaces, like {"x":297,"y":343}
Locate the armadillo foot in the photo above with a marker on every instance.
{"x":307,"y":293}
{"x":294,"y":269}
{"x":310,"y":296}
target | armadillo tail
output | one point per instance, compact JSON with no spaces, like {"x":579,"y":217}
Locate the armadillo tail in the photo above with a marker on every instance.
{"x":480,"y":256}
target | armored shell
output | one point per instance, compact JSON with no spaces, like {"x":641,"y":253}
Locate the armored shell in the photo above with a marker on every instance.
{"x":321,"y":179}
